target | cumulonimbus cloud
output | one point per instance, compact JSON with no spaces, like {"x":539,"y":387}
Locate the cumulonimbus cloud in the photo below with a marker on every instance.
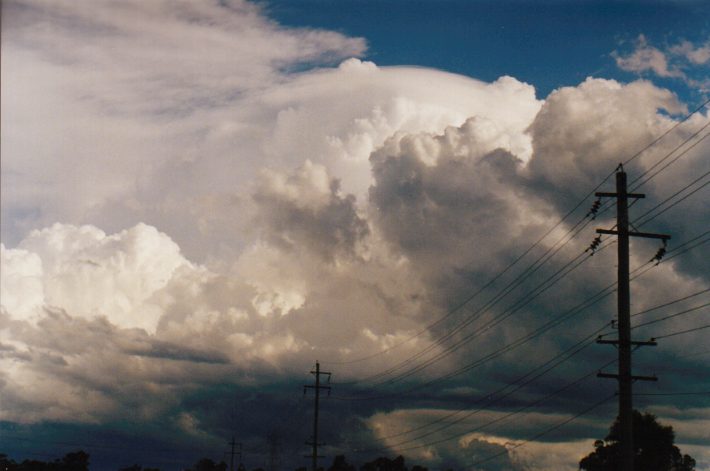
{"x":270,"y":219}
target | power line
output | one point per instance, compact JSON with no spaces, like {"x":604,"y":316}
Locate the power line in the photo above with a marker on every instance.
{"x":518,"y":384}
{"x":506,"y":348}
{"x":501,"y":295}
{"x":574,"y":350}
{"x":466,"y":322}
{"x":508,"y":267}
{"x":505,"y":291}
{"x":508,"y":312}
{"x":639,"y":271}
{"x":546,"y":431}
{"x":687,"y":311}
{"x":640,"y":224}
{"x":490,"y":282}
{"x":505,"y":416}
{"x":647,"y":180}
{"x":648,"y":310}
{"x":691,"y":241}
{"x":608,"y":205}
{"x":670,"y":303}
{"x":689,"y":393}
{"x":461,"y":326}
{"x":448,"y":313}
{"x":681,"y":332}
{"x":659,"y":138}
{"x":667,"y":156}
{"x":514,"y":308}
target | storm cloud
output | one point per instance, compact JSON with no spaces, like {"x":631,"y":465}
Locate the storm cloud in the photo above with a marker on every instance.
{"x":225,"y":219}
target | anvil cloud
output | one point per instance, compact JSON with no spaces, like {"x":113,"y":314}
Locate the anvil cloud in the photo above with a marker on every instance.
{"x":198,"y":203}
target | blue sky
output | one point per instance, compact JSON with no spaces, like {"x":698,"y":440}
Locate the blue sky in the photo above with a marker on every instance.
{"x":547,"y":43}
{"x":202,"y":198}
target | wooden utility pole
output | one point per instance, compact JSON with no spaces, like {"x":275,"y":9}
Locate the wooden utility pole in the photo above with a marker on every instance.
{"x":624,"y":343}
{"x":274,"y":446}
{"x":317,"y":387}
{"x":232,"y":453}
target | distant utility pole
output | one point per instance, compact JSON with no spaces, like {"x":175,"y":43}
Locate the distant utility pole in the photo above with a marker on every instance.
{"x":274,"y":446}
{"x":317,"y":387}
{"x":232,"y":453}
{"x":624,"y":342}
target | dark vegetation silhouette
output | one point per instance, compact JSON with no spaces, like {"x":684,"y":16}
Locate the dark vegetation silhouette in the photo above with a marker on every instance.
{"x":341,"y":464}
{"x":79,"y":461}
{"x":386,"y":464}
{"x":74,"y":461}
{"x":206,"y":464}
{"x":653,"y":448}
{"x":137,"y":467}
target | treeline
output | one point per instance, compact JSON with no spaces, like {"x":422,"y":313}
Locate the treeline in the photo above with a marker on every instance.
{"x":79,"y":461}
{"x":75,"y":461}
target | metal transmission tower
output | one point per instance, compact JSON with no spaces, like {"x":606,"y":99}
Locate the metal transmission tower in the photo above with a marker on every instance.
{"x":624,"y":343}
{"x":317,"y":387}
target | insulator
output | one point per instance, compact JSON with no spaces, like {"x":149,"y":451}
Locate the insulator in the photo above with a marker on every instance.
{"x":659,"y":254}
{"x":595,"y":244}
{"x":595,"y":207}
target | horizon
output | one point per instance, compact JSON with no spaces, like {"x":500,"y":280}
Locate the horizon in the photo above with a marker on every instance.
{"x":203,"y":199}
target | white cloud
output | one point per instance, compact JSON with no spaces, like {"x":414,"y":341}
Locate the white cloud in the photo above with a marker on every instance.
{"x":257,"y":219}
{"x":122,"y":91}
{"x":684,"y":61}
{"x":647,"y":58}
{"x":696,"y":55}
{"x":90,"y":274}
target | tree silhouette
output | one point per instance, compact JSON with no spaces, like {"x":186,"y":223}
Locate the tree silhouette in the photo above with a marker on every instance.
{"x":340,"y":464}
{"x":75,"y":461}
{"x":137,"y":467}
{"x":385,"y":464}
{"x":206,"y":464}
{"x":653,"y":448}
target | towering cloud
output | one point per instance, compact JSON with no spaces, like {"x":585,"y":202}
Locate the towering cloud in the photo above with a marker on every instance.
{"x":225,"y":221}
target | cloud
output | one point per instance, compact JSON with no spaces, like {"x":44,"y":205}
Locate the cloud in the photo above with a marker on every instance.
{"x":683,"y":61}
{"x":90,"y":274}
{"x":580,"y":131}
{"x":647,"y":58}
{"x":455,"y":454}
{"x":306,"y":209}
{"x":78,"y":302}
{"x":695,"y":55}
{"x":234,"y":215}
{"x":148,"y":75}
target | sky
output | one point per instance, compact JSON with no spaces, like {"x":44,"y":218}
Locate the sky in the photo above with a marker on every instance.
{"x":202,"y":199}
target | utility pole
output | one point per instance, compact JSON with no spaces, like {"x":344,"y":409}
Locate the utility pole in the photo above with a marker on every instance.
{"x":232,"y":453}
{"x":624,"y":343}
{"x":274,"y":446}
{"x":317,"y":387}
